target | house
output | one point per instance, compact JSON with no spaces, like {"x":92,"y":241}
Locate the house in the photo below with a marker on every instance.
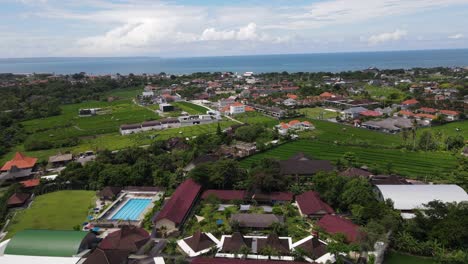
{"x":271,"y":111}
{"x":389,"y":125}
{"x":225,"y":195}
{"x":465,"y":151}
{"x":244,"y":149}
{"x":334,"y":224}
{"x":18,"y":199}
{"x":170,"y":123}
{"x":197,"y":244}
{"x":449,"y":115}
{"x":290,"y":102}
{"x":236,"y":108}
{"x":19,"y":167}
{"x":353,"y":112}
{"x":370,"y":113}
{"x":232,"y":245}
{"x":310,"y":205}
{"x":408,"y":197}
{"x":28,"y":184}
{"x":280,"y":245}
{"x":384,"y":111}
{"x":293,"y":125}
{"x":315,"y":250}
{"x":128,"y":238}
{"x":300,"y":165}
{"x":109,"y":193}
{"x":60,"y":160}
{"x":427,"y":110}
{"x":409,"y":103}
{"x":196,"y":120}
{"x":327,"y":95}
{"x":175,"y":211}
{"x":256,"y":221}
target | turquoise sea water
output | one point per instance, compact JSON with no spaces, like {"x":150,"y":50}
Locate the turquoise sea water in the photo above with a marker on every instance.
{"x":330,"y":62}
{"x":132,"y":209}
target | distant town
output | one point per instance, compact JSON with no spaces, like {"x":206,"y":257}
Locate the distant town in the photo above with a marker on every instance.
{"x":229,"y":168}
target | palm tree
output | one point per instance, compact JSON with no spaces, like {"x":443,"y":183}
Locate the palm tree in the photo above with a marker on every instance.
{"x":413,"y":132}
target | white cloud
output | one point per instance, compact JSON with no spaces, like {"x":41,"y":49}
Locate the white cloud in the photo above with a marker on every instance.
{"x":386,"y":37}
{"x":246,"y":33}
{"x":456,"y":36}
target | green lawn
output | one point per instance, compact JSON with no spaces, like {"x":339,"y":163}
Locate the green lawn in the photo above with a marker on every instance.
{"x":377,"y":92}
{"x":399,"y":258}
{"x":414,"y":164}
{"x":190,"y":108}
{"x":256,"y":118}
{"x":56,"y":211}
{"x":317,"y":113}
{"x":450,"y":129}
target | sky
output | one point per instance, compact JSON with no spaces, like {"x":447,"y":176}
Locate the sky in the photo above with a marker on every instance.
{"x":189,"y":28}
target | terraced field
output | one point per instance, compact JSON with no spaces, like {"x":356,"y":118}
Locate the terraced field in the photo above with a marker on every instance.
{"x":414,"y":164}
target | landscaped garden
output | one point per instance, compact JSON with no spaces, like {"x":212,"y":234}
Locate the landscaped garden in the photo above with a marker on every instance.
{"x":62,"y":210}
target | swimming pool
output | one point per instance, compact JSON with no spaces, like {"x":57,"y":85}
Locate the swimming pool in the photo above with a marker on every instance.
{"x":132,"y":209}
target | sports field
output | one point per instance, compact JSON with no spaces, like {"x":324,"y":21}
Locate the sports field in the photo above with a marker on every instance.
{"x":60,"y":210}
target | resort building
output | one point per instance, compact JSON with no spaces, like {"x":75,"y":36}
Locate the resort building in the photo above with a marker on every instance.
{"x":198,"y":244}
{"x":310,"y":205}
{"x":300,"y":165}
{"x":293,"y":125}
{"x":334,"y":224}
{"x":256,"y":221}
{"x":18,"y":200}
{"x":235,"y":108}
{"x":20,"y":167}
{"x":315,"y":250}
{"x":408,"y":197}
{"x":175,"y":211}
{"x":225,"y":195}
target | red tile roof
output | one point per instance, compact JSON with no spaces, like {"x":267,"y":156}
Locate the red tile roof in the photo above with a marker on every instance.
{"x":294,"y":122}
{"x":406,"y":113}
{"x":31,"y":183}
{"x":18,"y":199}
{"x":334,"y":224}
{"x":180,"y":202}
{"x":20,"y":161}
{"x":428,"y":116}
{"x":292,"y":96}
{"x":326,"y":95}
{"x":449,"y":112}
{"x":225,"y":195}
{"x":370,"y":113}
{"x":205,"y":260}
{"x":310,"y":203}
{"x":410,"y":102}
{"x":427,"y":110}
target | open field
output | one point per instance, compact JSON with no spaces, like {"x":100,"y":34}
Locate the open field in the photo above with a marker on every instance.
{"x":413,"y":164}
{"x":449,"y":129}
{"x":56,"y":211}
{"x":114,"y":141}
{"x":317,"y":113}
{"x":377,"y":92}
{"x":399,"y":258}
{"x":256,"y":118}
{"x":190,"y":108}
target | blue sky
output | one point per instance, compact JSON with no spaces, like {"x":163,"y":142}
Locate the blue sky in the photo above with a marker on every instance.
{"x":181,"y":28}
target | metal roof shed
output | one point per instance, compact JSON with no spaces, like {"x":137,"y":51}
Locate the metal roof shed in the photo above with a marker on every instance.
{"x":52,"y":243}
{"x":409,"y":197}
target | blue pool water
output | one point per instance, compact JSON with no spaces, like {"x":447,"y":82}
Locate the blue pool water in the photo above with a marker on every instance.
{"x":132,"y":209}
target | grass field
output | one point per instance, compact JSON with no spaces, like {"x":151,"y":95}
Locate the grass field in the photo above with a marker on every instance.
{"x":114,"y":141}
{"x":190,"y":108}
{"x":317,"y":113}
{"x":450,"y":129}
{"x":414,"y":164}
{"x":256,"y":118}
{"x":56,"y":211}
{"x":379,"y":92}
{"x":399,"y":258}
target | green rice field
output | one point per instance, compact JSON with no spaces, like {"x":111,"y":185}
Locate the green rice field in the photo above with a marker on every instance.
{"x":399,"y":258}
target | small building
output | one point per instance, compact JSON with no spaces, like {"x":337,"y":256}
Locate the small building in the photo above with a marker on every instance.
{"x":409,"y":103}
{"x":334,"y":224}
{"x":244,"y":149}
{"x":166,"y":107}
{"x":196,"y":120}
{"x":18,"y":200}
{"x":109,"y":193}
{"x":300,"y":165}
{"x":388,"y":180}
{"x":151,"y":125}
{"x":315,"y":250}
{"x":449,"y":115}
{"x":293,"y":125}
{"x":176,"y":210}
{"x":60,"y":160}
{"x":407,"y":198}
{"x":29,"y":184}
{"x":256,"y":221}
{"x":197,"y":244}
{"x":356,"y":172}
{"x":353,"y":112}
{"x":130,"y":129}
{"x":310,"y":205}
{"x":129,"y":238}
{"x":170,"y":123}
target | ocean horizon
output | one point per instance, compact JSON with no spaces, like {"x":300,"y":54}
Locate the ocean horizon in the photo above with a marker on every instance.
{"x":311,"y":62}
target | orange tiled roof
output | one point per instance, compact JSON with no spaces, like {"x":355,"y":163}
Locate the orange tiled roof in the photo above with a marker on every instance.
{"x":427,"y":109}
{"x":31,"y":183}
{"x":292,"y":96}
{"x":410,"y":102}
{"x":294,"y":122}
{"x":326,"y":94}
{"x":405,"y":112}
{"x":20,"y":161}
{"x":426,"y":116}
{"x":449,"y":112}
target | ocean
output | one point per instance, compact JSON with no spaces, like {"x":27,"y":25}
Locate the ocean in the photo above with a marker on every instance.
{"x":328,"y":62}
